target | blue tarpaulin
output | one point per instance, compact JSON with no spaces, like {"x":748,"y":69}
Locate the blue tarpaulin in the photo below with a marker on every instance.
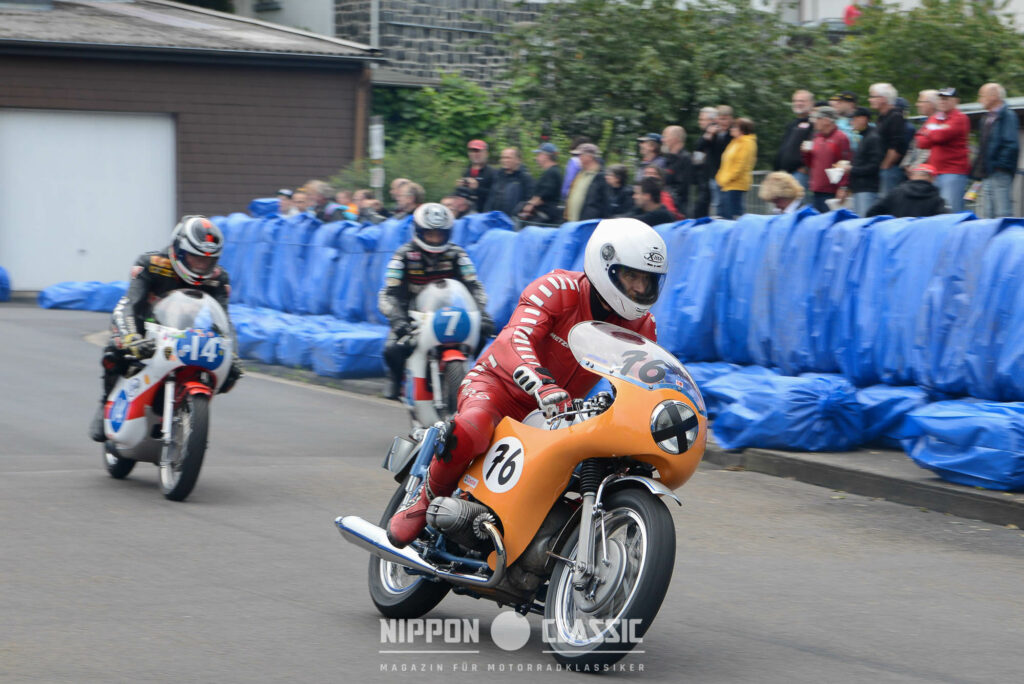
{"x":818,"y":413}
{"x":885,"y":409}
{"x":85,"y":296}
{"x":740,"y":259}
{"x":975,"y":443}
{"x":5,"y":286}
{"x":726,"y":388}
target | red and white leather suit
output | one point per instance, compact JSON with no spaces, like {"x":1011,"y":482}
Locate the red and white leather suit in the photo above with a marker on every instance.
{"x":536,"y":337}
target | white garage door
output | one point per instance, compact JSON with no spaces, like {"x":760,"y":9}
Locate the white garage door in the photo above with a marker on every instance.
{"x":82,"y":194}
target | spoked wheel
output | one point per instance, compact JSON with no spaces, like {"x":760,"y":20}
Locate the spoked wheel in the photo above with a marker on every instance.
{"x":600,"y":624}
{"x":117,"y":466}
{"x":454,"y":374}
{"x":395,"y":592}
{"x":180,"y":462}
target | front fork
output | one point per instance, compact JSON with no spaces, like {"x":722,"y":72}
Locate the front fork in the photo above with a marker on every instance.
{"x":168,"y":424}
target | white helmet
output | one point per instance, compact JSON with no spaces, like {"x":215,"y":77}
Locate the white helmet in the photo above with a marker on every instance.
{"x":619,"y":248}
{"x":432,"y":216}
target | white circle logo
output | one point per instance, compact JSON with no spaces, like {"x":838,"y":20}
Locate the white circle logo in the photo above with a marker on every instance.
{"x":510,"y":631}
{"x":503,"y":465}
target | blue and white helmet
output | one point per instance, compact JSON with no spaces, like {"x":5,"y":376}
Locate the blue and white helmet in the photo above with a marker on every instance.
{"x":432,"y":216}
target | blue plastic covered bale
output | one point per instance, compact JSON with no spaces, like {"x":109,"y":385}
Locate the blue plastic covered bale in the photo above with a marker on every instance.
{"x":239,"y":232}
{"x":792,"y":287}
{"x":818,"y":413}
{"x":5,"y":285}
{"x":865,"y":302}
{"x":740,"y":259}
{"x":356,"y":353}
{"x":92,"y":295}
{"x":253,"y":267}
{"x":885,"y":410}
{"x":833,"y":289}
{"x":727,"y":388}
{"x":778,"y":258}
{"x":295,"y":344}
{"x":351,"y":279}
{"x":288,"y":262}
{"x":530,"y":243}
{"x":264,"y":206}
{"x":994,"y":357}
{"x":321,"y":264}
{"x":912,"y":255}
{"x":393,"y":234}
{"x":974,"y":443}
{"x":685,"y":311}
{"x":943,"y":335}
{"x":497,"y":273}
{"x":469,"y":229}
{"x":258,"y":331}
{"x":566,"y":250}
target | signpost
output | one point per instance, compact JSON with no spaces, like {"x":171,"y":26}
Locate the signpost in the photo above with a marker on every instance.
{"x":377,"y":154}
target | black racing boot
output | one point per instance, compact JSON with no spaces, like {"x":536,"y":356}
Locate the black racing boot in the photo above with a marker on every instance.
{"x":96,"y":432}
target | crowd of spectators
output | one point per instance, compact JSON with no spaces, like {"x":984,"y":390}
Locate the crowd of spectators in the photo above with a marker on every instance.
{"x":834,"y":153}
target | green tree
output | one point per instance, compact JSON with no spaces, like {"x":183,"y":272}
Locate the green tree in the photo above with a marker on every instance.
{"x":420,"y":161}
{"x":960,"y":43}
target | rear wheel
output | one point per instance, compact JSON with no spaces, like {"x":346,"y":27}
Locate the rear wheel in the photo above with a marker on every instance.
{"x":599,"y":625}
{"x":117,"y":467}
{"x":180,"y":462}
{"x":454,"y":374}
{"x":396,"y":593}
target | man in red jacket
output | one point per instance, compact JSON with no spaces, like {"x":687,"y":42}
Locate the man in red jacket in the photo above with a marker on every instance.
{"x":945,"y":134}
{"x":530,"y":363}
{"x":828,"y":146}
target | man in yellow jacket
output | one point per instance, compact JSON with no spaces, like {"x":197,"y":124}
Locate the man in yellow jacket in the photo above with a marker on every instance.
{"x":736,"y":172}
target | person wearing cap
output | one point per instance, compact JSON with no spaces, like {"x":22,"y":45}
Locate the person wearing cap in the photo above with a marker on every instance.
{"x":542,"y":207}
{"x":915,"y":197}
{"x":789,"y":157}
{"x":845,"y":103}
{"x":998,"y":149}
{"x":678,"y":167}
{"x":945,"y":134}
{"x":285,"y":207}
{"x":512,"y":185}
{"x":588,"y":196}
{"x":650,"y":148}
{"x":478,"y":176}
{"x":863,"y":176}
{"x":828,"y":147}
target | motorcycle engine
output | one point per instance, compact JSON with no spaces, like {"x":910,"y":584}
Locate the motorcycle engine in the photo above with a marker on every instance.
{"x":461,"y":521}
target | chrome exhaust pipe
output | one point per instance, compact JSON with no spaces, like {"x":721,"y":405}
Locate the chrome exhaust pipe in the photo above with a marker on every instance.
{"x":375,"y":540}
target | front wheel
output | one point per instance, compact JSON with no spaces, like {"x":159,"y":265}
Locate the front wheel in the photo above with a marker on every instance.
{"x":600,"y":624}
{"x":396,"y":593}
{"x":454,"y":374}
{"x":117,"y":466}
{"x":181,"y":461}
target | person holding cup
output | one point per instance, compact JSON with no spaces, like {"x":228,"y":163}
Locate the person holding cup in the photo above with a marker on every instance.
{"x":821,"y":155}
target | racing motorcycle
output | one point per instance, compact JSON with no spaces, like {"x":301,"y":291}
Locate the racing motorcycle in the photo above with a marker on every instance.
{"x":563,"y":515}
{"x":159,"y":410}
{"x":447,"y":323}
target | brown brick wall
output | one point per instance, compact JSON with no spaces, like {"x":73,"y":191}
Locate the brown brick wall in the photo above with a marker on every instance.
{"x":242,"y":131}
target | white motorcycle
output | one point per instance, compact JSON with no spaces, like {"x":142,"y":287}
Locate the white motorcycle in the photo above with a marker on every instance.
{"x":159,"y":412}
{"x":448,"y":324}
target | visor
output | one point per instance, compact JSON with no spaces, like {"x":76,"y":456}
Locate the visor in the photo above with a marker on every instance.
{"x":200,"y":265}
{"x":642,"y":287}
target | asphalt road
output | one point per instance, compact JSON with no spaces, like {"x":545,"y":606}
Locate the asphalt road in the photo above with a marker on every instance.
{"x":248,"y":581}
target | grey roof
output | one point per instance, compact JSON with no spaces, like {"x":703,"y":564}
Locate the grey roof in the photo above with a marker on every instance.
{"x":161,"y":25}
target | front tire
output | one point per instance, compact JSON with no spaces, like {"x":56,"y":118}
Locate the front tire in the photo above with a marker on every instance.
{"x":396,"y":593}
{"x":117,"y":466}
{"x":180,"y":463}
{"x":454,"y":374}
{"x":640,"y":528}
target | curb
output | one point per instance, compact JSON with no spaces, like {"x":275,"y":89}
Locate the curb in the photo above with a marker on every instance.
{"x":888,"y":475}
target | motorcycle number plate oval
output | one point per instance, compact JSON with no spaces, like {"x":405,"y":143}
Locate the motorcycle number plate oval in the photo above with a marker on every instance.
{"x":503,"y":465}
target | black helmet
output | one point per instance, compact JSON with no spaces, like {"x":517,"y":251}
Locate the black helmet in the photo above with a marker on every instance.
{"x":433,"y":216}
{"x":196,"y":245}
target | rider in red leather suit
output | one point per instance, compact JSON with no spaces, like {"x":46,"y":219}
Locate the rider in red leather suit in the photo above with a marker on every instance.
{"x":530,"y":362}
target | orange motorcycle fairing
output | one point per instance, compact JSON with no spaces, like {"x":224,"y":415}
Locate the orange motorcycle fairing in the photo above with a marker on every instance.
{"x":527,"y":469}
